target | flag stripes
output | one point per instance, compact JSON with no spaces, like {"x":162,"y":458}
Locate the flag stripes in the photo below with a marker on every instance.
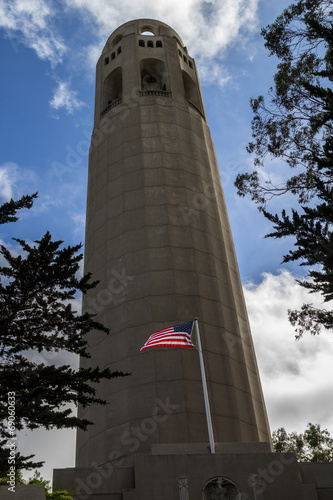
{"x":173,"y":336}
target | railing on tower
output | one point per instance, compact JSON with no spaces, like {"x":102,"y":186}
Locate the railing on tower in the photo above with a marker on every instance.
{"x":194,"y":106}
{"x":112,"y":105}
{"x":163,"y":93}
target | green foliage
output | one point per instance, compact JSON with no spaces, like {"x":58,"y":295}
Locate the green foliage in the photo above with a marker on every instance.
{"x":4,"y":479}
{"x":21,"y":462}
{"x":37,"y":289}
{"x":8,"y":210}
{"x":37,"y":479}
{"x":55,"y":495}
{"x":296,"y":126}
{"x":314,"y":445}
{"x":58,"y":495}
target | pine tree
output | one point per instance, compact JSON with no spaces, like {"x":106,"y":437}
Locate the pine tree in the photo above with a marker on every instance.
{"x":37,"y":290}
{"x":296,"y":126}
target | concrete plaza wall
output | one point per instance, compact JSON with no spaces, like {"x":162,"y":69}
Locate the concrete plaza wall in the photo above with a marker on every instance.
{"x":255,"y":475}
{"x":30,"y":492}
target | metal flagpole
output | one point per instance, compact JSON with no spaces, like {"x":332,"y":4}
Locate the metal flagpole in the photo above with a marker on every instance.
{"x":205,"y":391}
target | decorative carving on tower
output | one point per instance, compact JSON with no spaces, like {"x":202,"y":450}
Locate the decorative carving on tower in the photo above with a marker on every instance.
{"x":183,"y":488}
{"x":257,"y":487}
{"x":220,"y":488}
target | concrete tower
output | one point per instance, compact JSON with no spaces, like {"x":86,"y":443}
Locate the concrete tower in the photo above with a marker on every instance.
{"x":158,"y":239}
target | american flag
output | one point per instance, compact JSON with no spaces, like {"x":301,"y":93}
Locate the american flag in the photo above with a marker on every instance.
{"x":174,"y":336}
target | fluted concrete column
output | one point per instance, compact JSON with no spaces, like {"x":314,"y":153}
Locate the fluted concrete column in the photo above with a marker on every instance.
{"x":159,"y":240}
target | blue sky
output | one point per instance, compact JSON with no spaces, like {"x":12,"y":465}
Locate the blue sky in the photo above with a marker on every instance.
{"x":48,"y":53}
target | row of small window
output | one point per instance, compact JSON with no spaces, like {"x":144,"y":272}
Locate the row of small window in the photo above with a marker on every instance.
{"x":185,"y":59}
{"x":113,"y":56}
{"x":150,"y":44}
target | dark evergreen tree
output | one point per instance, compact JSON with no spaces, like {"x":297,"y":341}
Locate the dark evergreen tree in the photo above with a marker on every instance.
{"x":8,"y":210}
{"x":296,"y":127}
{"x":37,"y":288}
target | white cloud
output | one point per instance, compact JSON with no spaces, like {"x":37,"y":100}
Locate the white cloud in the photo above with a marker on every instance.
{"x":30,"y":23}
{"x":8,"y":173}
{"x":14,"y":249}
{"x":79,"y":220}
{"x":40,"y":442}
{"x":64,"y":97}
{"x":15,"y":181}
{"x":92,"y":53}
{"x":214,"y":72}
{"x":296,"y":376}
{"x":208,"y":28}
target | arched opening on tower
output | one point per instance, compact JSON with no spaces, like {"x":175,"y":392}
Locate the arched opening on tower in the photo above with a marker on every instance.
{"x":147,"y":30}
{"x":178,"y":41}
{"x":112,"y":87}
{"x":153,"y":75}
{"x":191,"y":91}
{"x":116,"y":40}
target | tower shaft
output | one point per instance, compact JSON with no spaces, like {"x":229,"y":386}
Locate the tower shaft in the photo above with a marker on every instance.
{"x":159,"y":240}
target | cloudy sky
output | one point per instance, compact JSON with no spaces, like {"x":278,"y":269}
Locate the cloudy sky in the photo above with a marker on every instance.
{"x":48,"y":53}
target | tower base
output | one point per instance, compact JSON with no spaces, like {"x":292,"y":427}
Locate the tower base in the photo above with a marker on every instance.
{"x":185,"y":473}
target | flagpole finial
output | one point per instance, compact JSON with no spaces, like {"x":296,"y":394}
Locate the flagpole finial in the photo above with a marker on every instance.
{"x":196,"y":318}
